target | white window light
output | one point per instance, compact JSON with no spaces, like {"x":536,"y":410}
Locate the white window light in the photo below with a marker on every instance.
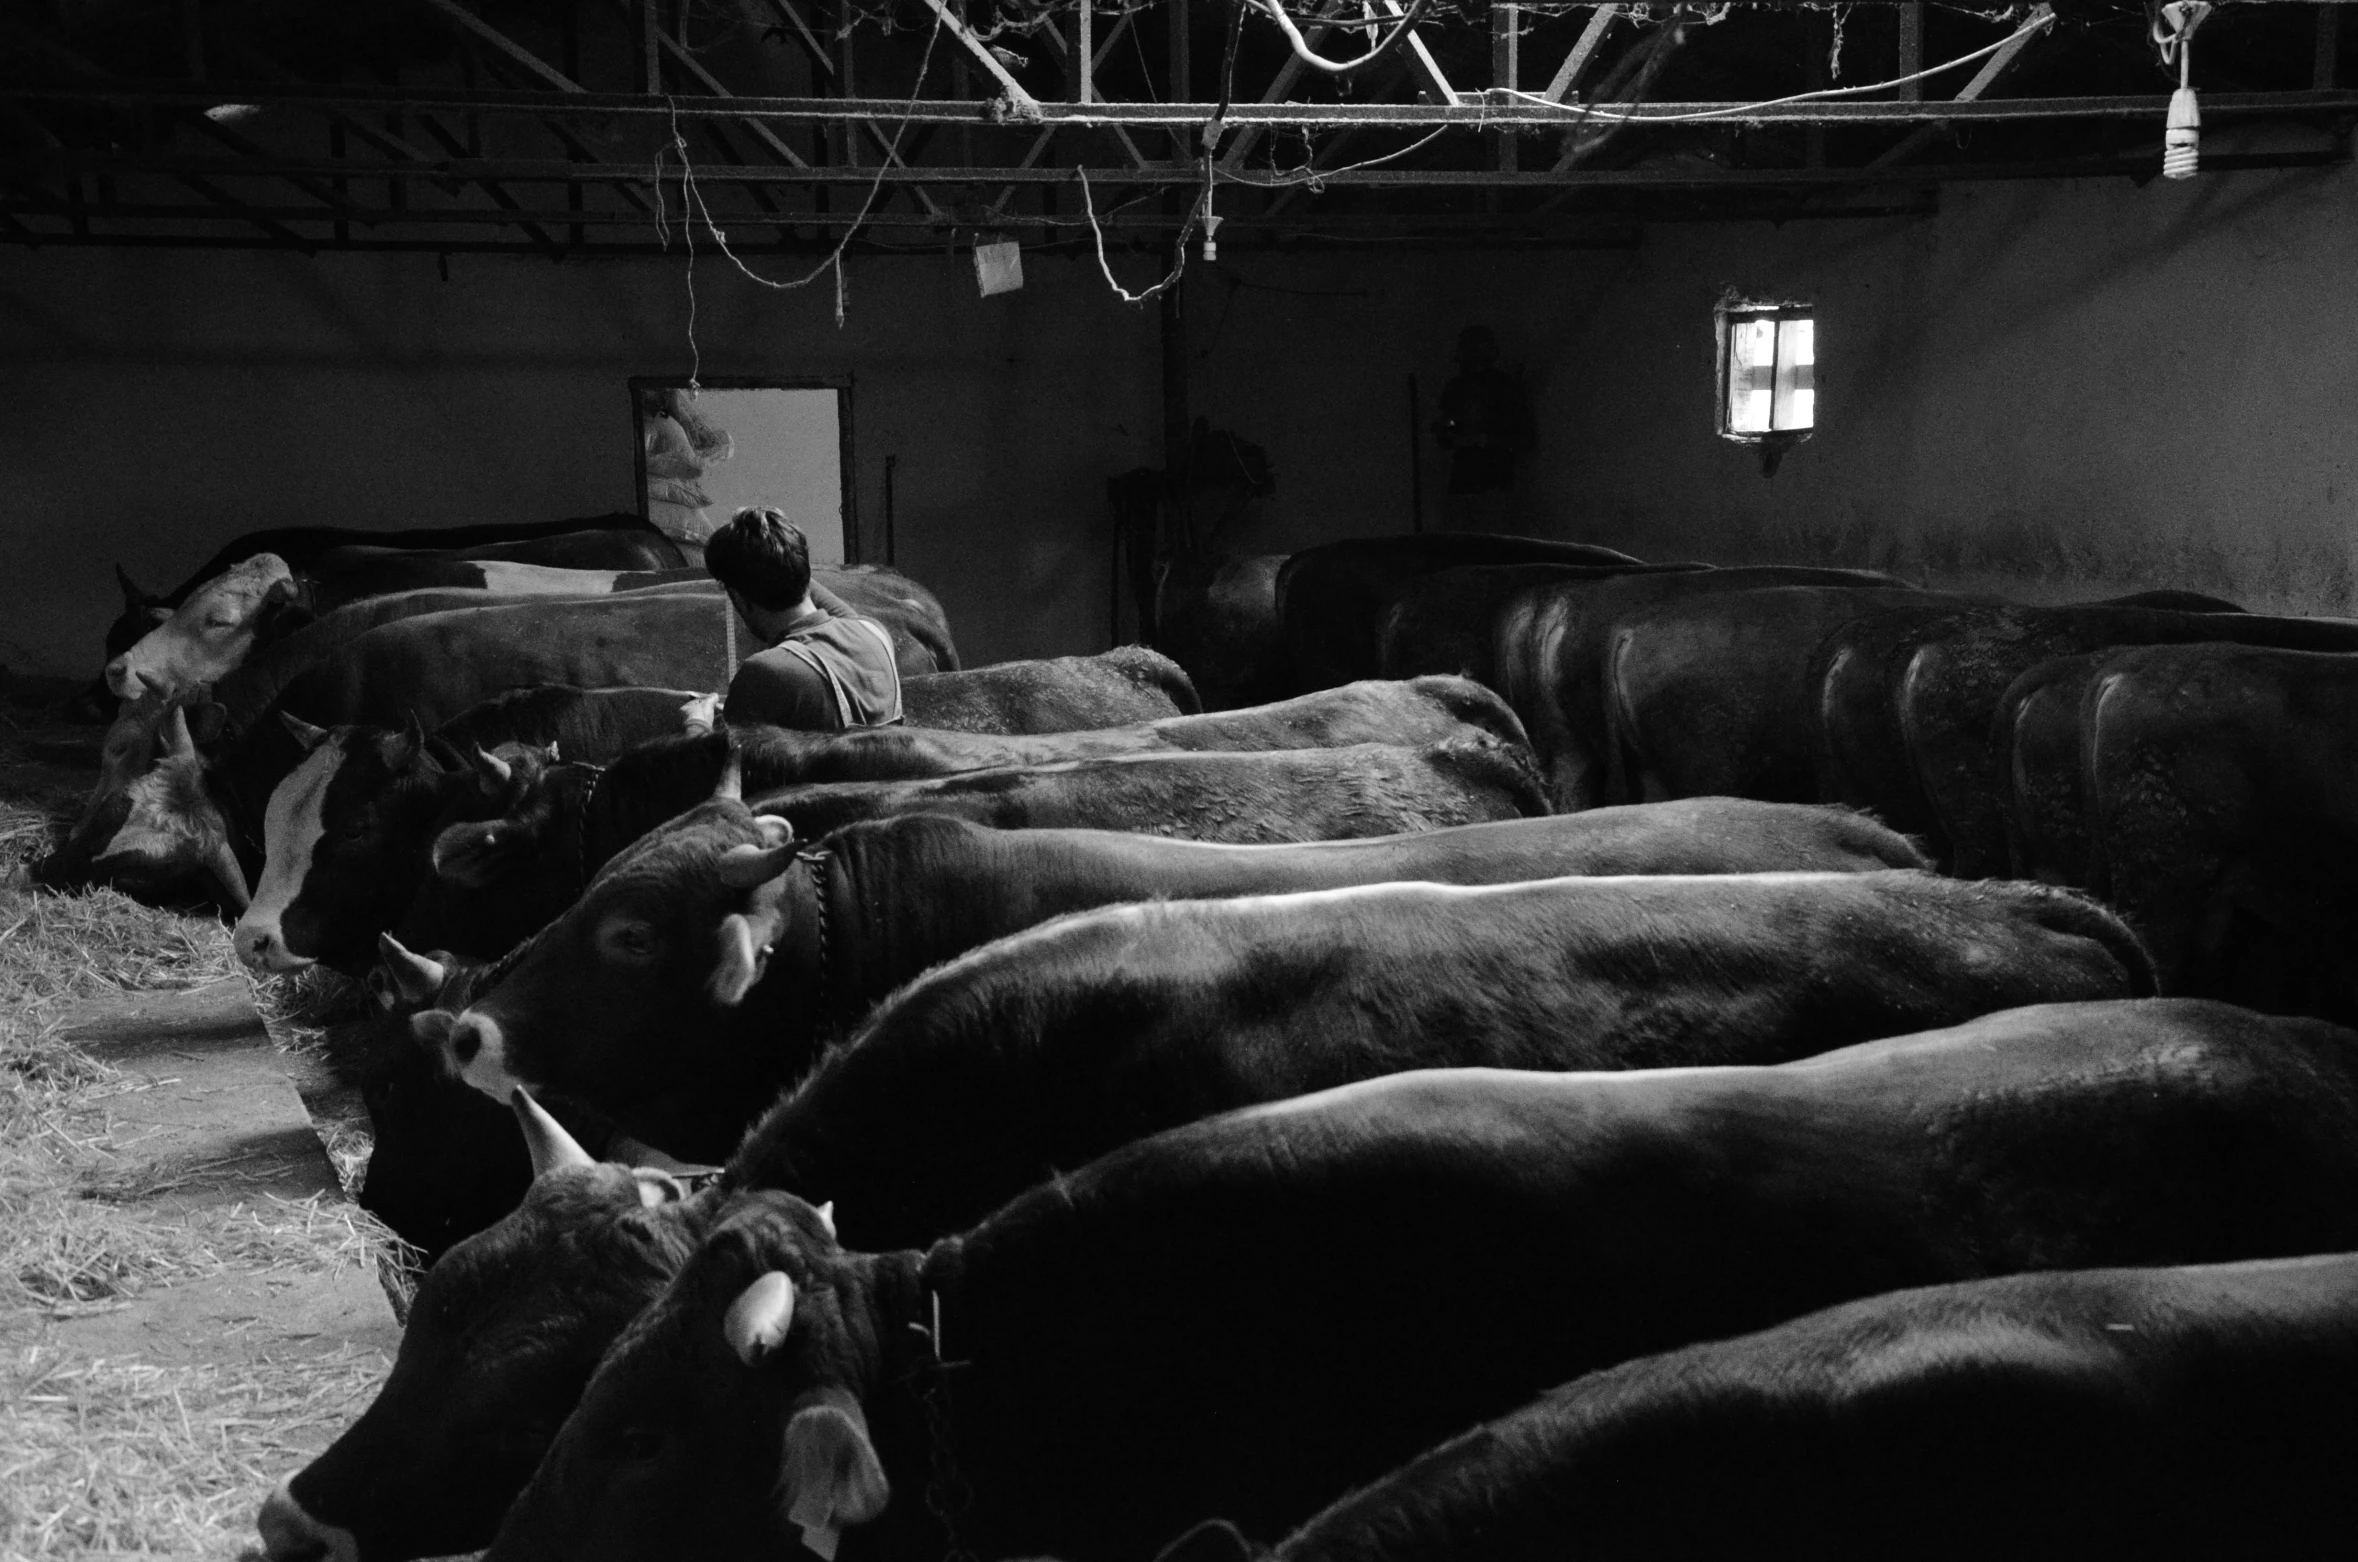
{"x":1767,"y":370}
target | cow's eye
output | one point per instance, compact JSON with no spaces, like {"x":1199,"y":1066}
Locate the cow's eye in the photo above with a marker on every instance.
{"x":629,"y":940}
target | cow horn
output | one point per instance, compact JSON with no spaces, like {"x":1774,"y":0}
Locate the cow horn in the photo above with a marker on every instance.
{"x":415,"y":977}
{"x":553,"y":1149}
{"x":742,"y":867}
{"x":229,"y":873}
{"x":495,"y":769}
{"x":302,"y":731}
{"x":177,"y":743}
{"x":731,"y":785}
{"x":757,"y":1321}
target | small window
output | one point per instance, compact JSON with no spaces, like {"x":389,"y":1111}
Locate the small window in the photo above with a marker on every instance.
{"x":1767,"y":370}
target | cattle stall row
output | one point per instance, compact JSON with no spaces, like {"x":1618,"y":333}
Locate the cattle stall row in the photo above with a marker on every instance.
{"x":1566,"y":1055}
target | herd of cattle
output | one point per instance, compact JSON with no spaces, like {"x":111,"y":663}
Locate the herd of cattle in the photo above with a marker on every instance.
{"x":1573,"y":1056}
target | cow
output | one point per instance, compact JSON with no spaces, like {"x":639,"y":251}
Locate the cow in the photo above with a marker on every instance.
{"x":1331,"y":600}
{"x":1552,"y":643}
{"x":445,"y":1162}
{"x":1711,"y":697}
{"x":298,"y":546}
{"x":1446,"y":622}
{"x":1249,"y":1316}
{"x":903,"y":895}
{"x":438,"y":664}
{"x":2036,"y":735}
{"x":1948,"y":693}
{"x":1863,"y":757}
{"x":261,"y":600}
{"x":2221,"y":816}
{"x":2190,"y":1412}
{"x":518,"y":852}
{"x":1662,"y":970}
{"x":1317,"y":794}
{"x":1220,"y":623}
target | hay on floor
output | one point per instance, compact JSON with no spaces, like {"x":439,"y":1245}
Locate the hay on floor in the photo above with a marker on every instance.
{"x":104,"y":1456}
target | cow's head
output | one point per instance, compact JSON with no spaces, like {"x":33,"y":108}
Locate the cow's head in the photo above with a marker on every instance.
{"x":503,"y":1335}
{"x":167,"y":827}
{"x":209,"y":634}
{"x":731,"y":1419}
{"x":619,"y":1001}
{"x":346,"y":837}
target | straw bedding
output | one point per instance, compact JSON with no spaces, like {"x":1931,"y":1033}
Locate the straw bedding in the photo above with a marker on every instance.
{"x":97,"y":1455}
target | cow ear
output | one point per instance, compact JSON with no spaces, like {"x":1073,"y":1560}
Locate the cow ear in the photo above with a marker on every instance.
{"x":553,"y":1149}
{"x":742,"y":867}
{"x":415,"y":977}
{"x":302,"y":731}
{"x":657,"y":1187}
{"x":409,"y":743}
{"x":134,"y":599}
{"x":758,"y":1320}
{"x":744,"y":955}
{"x":832,"y":1479}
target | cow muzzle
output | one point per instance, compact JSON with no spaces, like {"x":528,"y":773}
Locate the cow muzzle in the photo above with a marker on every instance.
{"x":262,"y":945}
{"x":291,"y":1535}
{"x":473,"y":1050}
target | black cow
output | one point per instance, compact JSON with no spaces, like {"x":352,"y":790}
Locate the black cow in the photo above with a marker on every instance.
{"x":1447,"y":622}
{"x":1712,"y":697}
{"x":1661,"y":970}
{"x":2224,"y":823}
{"x":1219,"y":621}
{"x":300,"y":545}
{"x":901,"y":896}
{"x":1332,"y":599}
{"x":1246,"y":1317}
{"x":1313,"y":794}
{"x":2156,"y":1413}
{"x":1948,"y":693}
{"x":1863,"y":756}
{"x":2036,"y":735}
{"x":1552,"y":647}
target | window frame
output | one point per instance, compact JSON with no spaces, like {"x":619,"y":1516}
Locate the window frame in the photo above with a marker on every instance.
{"x":1731,"y":309}
{"x":847,"y":474}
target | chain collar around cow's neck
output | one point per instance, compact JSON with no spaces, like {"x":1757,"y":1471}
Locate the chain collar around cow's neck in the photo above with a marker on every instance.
{"x":947,"y":1494}
{"x":823,"y":998}
{"x":581,"y":873}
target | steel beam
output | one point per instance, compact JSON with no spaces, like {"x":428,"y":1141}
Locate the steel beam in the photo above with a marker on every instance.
{"x":1584,"y":50}
{"x":1479,"y":114}
{"x":553,"y":173}
{"x":1992,"y":71}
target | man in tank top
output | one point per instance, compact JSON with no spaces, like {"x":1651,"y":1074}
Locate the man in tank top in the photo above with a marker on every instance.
{"x":826,"y":667}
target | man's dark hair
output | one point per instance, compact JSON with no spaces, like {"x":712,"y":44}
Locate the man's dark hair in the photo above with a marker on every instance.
{"x":762,"y":556}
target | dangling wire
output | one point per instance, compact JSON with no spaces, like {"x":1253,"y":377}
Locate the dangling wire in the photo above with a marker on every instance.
{"x":691,"y":192}
{"x":1318,"y":62}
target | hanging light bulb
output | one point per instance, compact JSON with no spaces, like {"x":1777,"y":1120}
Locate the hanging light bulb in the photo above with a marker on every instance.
{"x":2182,"y":136}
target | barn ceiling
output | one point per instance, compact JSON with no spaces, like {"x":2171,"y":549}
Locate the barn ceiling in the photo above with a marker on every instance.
{"x":570,"y":126}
